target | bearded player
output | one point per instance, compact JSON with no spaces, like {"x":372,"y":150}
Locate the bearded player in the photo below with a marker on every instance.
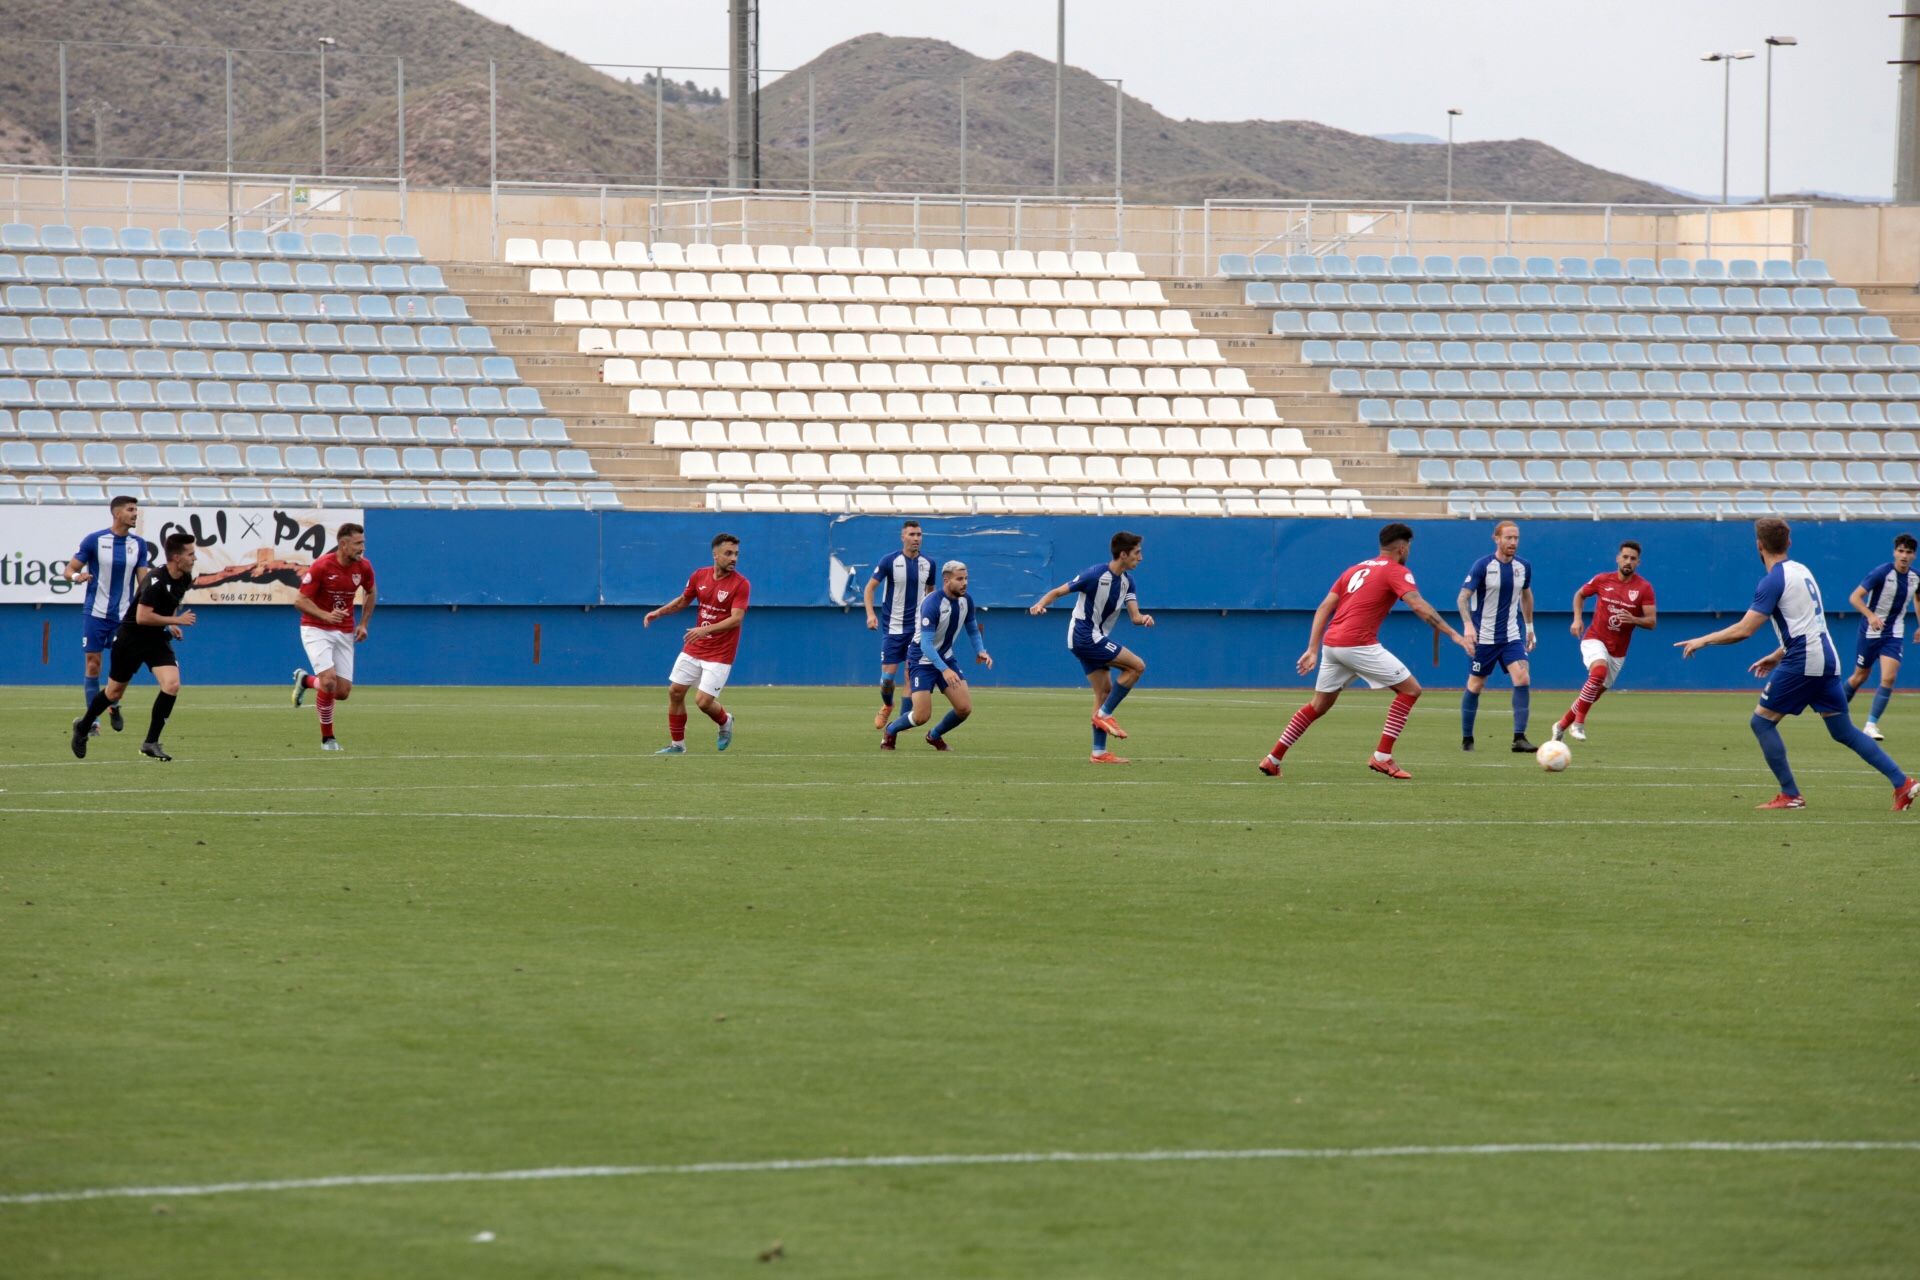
{"x":1348,"y":624}
{"x":706,"y":659}
{"x":1623,"y":603}
{"x":327,"y":627}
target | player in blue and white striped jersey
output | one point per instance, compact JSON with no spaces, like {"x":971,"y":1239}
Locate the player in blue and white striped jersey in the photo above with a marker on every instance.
{"x":1882,"y":600}
{"x":941,"y":618}
{"x":1802,"y":672}
{"x":904,"y":578}
{"x":114,"y":563}
{"x":1104,"y":590}
{"x":1496,"y":610}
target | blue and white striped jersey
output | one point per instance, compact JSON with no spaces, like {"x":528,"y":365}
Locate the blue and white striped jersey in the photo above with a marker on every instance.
{"x":114,"y":562}
{"x":1888,"y":595}
{"x":1103,"y":593}
{"x":1496,"y":585}
{"x":1790,"y":596}
{"x":942,"y":618}
{"x":904,"y":582}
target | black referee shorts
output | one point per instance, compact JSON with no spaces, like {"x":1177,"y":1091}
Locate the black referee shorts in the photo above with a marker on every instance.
{"x":130,"y":653}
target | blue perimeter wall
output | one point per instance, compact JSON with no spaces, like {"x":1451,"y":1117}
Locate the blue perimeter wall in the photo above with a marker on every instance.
{"x":461,"y":593}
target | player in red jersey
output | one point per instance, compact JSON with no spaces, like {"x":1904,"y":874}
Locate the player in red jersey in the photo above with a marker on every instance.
{"x":1624,"y":603}
{"x":327,"y":627}
{"x":1359,"y":598}
{"x":707,"y":658}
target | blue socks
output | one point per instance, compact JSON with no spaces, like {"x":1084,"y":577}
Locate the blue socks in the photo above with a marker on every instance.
{"x":93,"y":688}
{"x":1522,"y":707}
{"x":947,"y":724}
{"x":886,"y":690}
{"x":904,"y":723}
{"x":1469,"y":708}
{"x":1881,"y":697}
{"x":1842,"y":731}
{"x":1776,"y":751}
{"x":1115,"y":696}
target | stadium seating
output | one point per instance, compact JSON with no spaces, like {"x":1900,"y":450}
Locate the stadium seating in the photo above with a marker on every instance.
{"x":883,"y":380}
{"x":260,"y":367}
{"x":1593,"y":387}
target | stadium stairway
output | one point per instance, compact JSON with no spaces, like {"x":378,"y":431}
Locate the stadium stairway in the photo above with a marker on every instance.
{"x":569,"y":383}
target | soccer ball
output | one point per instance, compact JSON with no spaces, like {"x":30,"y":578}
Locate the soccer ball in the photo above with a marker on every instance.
{"x":1554,"y":756}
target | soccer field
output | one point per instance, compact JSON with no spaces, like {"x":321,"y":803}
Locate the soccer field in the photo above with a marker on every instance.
{"x":496,"y":935}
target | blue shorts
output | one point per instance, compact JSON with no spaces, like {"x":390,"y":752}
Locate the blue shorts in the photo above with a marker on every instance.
{"x":1789,"y":693}
{"x":1505,"y":654}
{"x":1095,"y":655}
{"x":893,"y":649}
{"x":97,"y":634}
{"x":925,"y":677}
{"x":1868,"y":651}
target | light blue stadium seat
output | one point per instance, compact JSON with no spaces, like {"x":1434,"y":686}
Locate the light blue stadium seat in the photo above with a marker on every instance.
{"x":1376,"y":412}
{"x":1289,"y":323}
{"x":1236,"y":266}
{"x":471,"y":338}
{"x":403,"y":249}
{"x":1813,"y":269}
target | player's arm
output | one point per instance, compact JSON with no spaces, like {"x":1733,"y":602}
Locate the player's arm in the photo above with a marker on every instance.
{"x":930,"y":650}
{"x":80,"y":568}
{"x":727,"y":623}
{"x":1579,"y":603}
{"x":866,"y":597}
{"x":1134,"y":615}
{"x":1648,"y":618}
{"x":674,"y":605}
{"x":1040,"y":605}
{"x":1431,"y":616}
{"x":979,"y":640}
{"x":1307,"y":660}
{"x":311,"y":607}
{"x":1464,"y":603}
{"x":1526,"y":613}
{"x":1859,"y":602}
{"x":1749,"y":623}
{"x":148,"y":616}
{"x":366,"y":614}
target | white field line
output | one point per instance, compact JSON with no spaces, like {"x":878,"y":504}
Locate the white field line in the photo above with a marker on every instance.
{"x":982,"y":820}
{"x":1862,"y":783}
{"x":563,"y":1173}
{"x":1755,"y":771}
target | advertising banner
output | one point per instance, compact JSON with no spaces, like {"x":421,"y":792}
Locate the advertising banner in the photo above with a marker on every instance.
{"x":248,"y":555}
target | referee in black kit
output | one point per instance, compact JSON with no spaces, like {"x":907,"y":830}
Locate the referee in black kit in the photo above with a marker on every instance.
{"x":145,"y":639}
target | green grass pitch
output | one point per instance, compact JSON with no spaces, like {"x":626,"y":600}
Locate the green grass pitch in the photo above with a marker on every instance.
{"x":496,"y":934}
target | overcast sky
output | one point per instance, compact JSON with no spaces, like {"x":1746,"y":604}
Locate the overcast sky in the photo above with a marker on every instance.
{"x":1617,"y":83}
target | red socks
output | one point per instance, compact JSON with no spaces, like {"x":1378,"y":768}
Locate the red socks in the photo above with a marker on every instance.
{"x":310,"y":682}
{"x":323,"y":703}
{"x":1295,"y":727}
{"x":1396,"y":720}
{"x":716,"y":712}
{"x":1589,"y":694}
{"x":677,"y":726}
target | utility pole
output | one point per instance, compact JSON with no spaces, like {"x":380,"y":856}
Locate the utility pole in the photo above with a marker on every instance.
{"x":1059,"y":73}
{"x":743,"y":105}
{"x":325,"y":43}
{"x":1906,"y":169}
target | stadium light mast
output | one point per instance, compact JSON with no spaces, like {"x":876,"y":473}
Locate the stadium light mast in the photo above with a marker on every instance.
{"x":1452,"y":112}
{"x":1906,"y":165}
{"x":325,"y":43}
{"x":1766,"y":181}
{"x":1726,"y":106}
{"x":1059,"y":72}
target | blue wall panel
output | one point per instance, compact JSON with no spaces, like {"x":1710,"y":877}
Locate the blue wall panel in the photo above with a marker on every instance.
{"x":462,"y":592}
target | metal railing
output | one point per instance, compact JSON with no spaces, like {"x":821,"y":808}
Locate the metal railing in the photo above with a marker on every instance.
{"x":250,"y":201}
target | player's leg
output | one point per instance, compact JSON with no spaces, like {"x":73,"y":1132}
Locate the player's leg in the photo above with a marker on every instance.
{"x":1766,"y":729}
{"x":713,"y":678}
{"x":1600,"y":676}
{"x":1889,"y":677}
{"x":880,"y":718}
{"x":122,"y":665}
{"x":1521,"y":672}
{"x":95,"y":644}
{"x":1406,"y":692}
{"x":167,"y":676}
{"x":1102,"y":684}
{"x":1332,"y":679}
{"x":1470,"y":700}
{"x":1828,"y":697}
{"x":960,"y":700}
{"x":1123,"y":670}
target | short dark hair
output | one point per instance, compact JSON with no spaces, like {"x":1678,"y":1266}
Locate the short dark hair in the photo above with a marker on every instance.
{"x":1774,"y":534}
{"x":719,"y":538}
{"x":178,"y":542}
{"x":909,"y":524}
{"x":348,"y":529}
{"x":1628,"y":543}
{"x":1123,"y":542}
{"x":122,"y":500}
{"x":1905,"y":542}
{"x":1395,"y":532}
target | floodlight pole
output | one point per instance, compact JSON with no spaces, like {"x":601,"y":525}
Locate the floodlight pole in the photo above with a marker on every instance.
{"x":1452,"y":112}
{"x":1059,"y":72}
{"x":325,"y":42}
{"x":1766,"y":181}
{"x":1726,"y":108}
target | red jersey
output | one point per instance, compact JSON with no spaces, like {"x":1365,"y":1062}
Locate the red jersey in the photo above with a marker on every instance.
{"x":1632,"y":596}
{"x":332,"y":585}
{"x":1367,"y":592}
{"x":718,"y":598}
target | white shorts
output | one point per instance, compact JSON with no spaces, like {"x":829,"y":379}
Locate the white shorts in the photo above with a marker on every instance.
{"x":711,"y":677}
{"x":1340,"y":667}
{"x":329,"y":651}
{"x":1592,"y":651}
